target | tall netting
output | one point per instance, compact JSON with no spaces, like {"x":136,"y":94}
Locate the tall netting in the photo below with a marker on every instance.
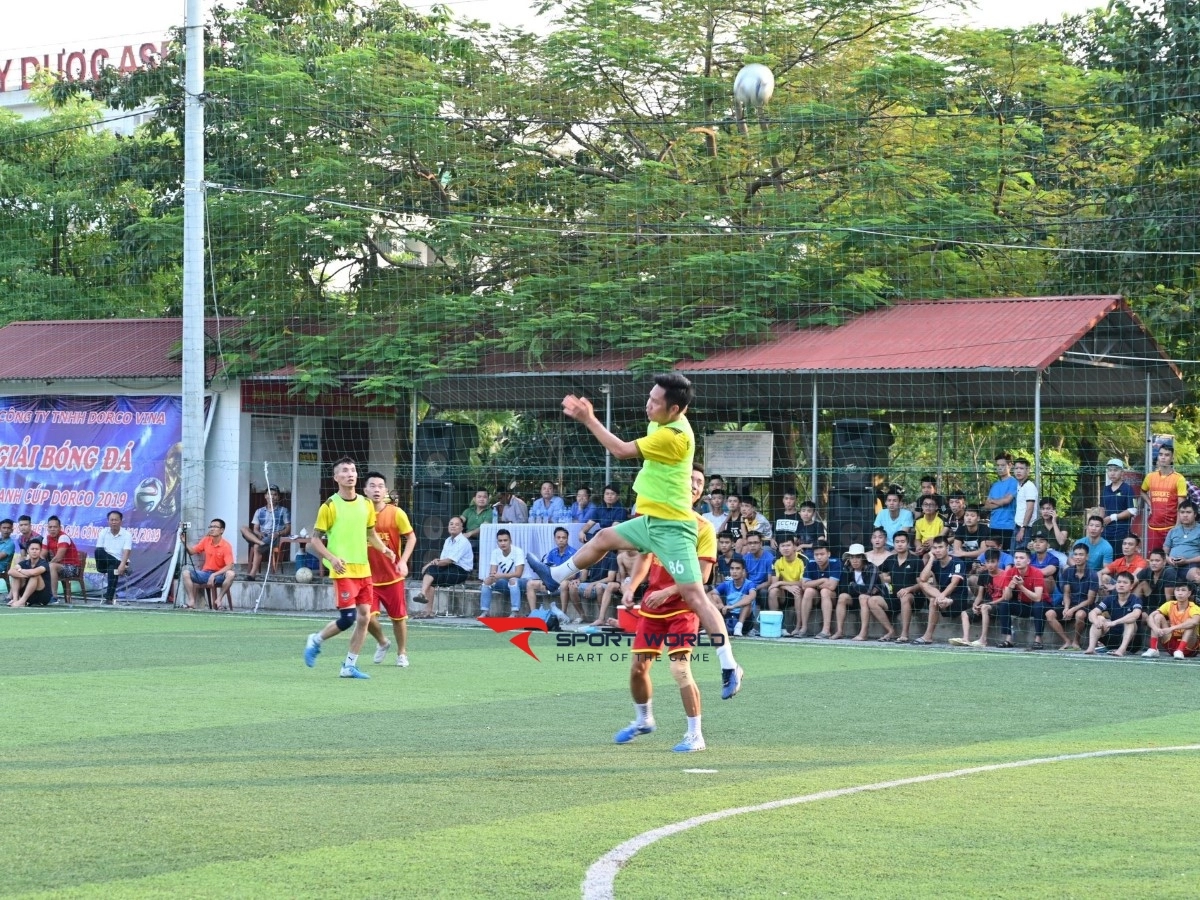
{"x":422,"y":232}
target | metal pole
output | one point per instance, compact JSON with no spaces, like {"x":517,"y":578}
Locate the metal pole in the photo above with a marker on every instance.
{"x":412,"y":433}
{"x":940,"y":436}
{"x":606,"y":390}
{"x":813,"y":453}
{"x":1037,"y":439}
{"x":193,"y":270}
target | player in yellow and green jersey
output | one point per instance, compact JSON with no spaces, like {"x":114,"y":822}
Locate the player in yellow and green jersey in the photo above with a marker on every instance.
{"x":345,"y":528}
{"x":666,"y":525}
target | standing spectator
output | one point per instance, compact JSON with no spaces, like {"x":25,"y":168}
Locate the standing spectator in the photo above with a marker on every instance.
{"x":583,"y":510}
{"x":810,"y":531}
{"x":1024,"y":597}
{"x":1100,"y":551}
{"x":8,"y":546}
{"x":759,"y":562}
{"x":217,"y":569}
{"x":1001,"y":503}
{"x":510,"y":508}
{"x":549,"y":507}
{"x":901,"y":572}
{"x":944,"y":583}
{"x":733,"y":522}
{"x":507,"y":566}
{"x":1119,"y":502}
{"x":788,"y":521}
{"x":452,"y":567}
{"x":1156,"y":583}
{"x":60,"y":554}
{"x":113,"y":548}
{"x":1162,"y":490}
{"x":609,"y":513}
{"x":25,"y":534}
{"x":1026,"y":503}
{"x":476,"y":516}
{"x":893,"y":517}
{"x":1080,"y":587}
{"x":929,"y":526}
{"x":1047,"y":524}
{"x":1175,"y":623}
{"x":1182,"y":544}
{"x":1130,"y":561}
{"x":1115,"y":618}
{"x":716,"y":515}
{"x":31,"y":578}
{"x":821,"y":575}
{"x":270,"y":524}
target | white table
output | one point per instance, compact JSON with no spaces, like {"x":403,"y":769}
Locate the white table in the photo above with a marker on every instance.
{"x":535,"y":540}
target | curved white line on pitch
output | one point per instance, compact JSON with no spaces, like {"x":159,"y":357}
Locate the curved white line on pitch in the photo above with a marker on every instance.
{"x":598,"y":882}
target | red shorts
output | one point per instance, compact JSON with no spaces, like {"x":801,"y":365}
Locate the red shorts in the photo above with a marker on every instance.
{"x":349,"y":592}
{"x":391,"y":596}
{"x":1155,"y":540}
{"x":1178,"y":644}
{"x":678,"y":634}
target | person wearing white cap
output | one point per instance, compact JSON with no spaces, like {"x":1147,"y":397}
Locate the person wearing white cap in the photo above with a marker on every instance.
{"x":1119,"y":502}
{"x":859,"y":580}
{"x":270,"y":523}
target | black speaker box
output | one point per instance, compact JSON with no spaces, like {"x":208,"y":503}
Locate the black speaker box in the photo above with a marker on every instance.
{"x":442,"y":447}
{"x":434,"y":502}
{"x":861,"y":443}
{"x":850,"y":518}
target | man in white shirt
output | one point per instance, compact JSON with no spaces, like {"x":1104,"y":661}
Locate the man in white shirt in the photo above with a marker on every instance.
{"x":1027,"y":502}
{"x":452,"y":567}
{"x":717,"y":516}
{"x":113,"y":547}
{"x":507,"y":565}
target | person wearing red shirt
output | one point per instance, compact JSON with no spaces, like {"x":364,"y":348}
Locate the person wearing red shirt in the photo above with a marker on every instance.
{"x":1162,"y":490}
{"x":1129,"y":561}
{"x":1024,"y":597}
{"x":388,"y":572}
{"x":217,"y":571}
{"x":62,"y":554}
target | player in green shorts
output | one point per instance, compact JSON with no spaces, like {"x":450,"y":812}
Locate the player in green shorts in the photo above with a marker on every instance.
{"x":667,"y":525}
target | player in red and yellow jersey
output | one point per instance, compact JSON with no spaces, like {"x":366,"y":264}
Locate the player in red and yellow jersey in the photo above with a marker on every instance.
{"x":388,"y":573}
{"x":1176,"y":622}
{"x":1162,"y":490}
{"x":666,"y":621}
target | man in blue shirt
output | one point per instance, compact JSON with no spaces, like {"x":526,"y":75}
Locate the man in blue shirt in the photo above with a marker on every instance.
{"x":759,"y":563}
{"x":1100,"y":551}
{"x":821,"y":576}
{"x":549,"y":507}
{"x":893,"y":518}
{"x":735,"y":596}
{"x":1080,"y":587}
{"x":1183,"y":543}
{"x":560,"y":553}
{"x":1115,"y":618}
{"x":1119,"y":502}
{"x":1002,"y":502}
{"x":603,"y":515}
{"x":583,"y":509}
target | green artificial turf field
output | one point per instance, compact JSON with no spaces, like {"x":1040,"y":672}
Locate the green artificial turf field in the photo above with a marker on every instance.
{"x":167,"y":754}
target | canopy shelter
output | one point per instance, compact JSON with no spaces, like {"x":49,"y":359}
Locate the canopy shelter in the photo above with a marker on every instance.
{"x":978,"y":355}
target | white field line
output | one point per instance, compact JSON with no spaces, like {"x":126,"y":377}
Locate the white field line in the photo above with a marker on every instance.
{"x":598,"y":882}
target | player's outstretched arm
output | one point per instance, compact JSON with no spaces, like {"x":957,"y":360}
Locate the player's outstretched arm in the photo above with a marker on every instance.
{"x":580,"y":409}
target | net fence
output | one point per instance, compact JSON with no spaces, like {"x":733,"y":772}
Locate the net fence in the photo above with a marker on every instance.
{"x":421,"y":231}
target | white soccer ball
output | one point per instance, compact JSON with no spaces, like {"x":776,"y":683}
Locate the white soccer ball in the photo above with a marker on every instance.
{"x":304,"y":575}
{"x":753,"y":86}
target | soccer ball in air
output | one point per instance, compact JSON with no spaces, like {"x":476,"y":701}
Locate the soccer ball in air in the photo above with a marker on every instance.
{"x":753,"y":86}
{"x":303,"y":575}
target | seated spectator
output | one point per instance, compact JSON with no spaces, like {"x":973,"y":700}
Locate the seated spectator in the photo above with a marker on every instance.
{"x":787,"y":579}
{"x":270,"y":524}
{"x":60,"y":554}
{"x":929,"y":526}
{"x":810,"y":531}
{"x":31,"y":578}
{"x":25,"y":534}
{"x":509,"y":507}
{"x":608,"y":513}
{"x":753,"y":522}
{"x":1080,"y":588}
{"x":1100,"y":552}
{"x":583,"y":510}
{"x":1175,"y":623}
{"x":788,"y":521}
{"x":506,"y":568}
{"x":859,"y":580}
{"x":734,"y":597}
{"x":944,"y":583}
{"x":1024,"y":598}
{"x":725,"y":554}
{"x":1130,"y":561}
{"x":733,"y":521}
{"x":901,"y":573}
{"x":1046,"y":562}
{"x":759,"y":562}
{"x":1047,"y":524}
{"x":821,"y":575}
{"x":114,"y":545}
{"x":559,"y":553}
{"x":1156,"y":583}
{"x":1183,"y":543}
{"x":475,"y":516}
{"x":451,"y":568}
{"x":955,"y":517}
{"x":970,"y":538}
{"x":716,"y":514}
{"x":893,"y":517}
{"x":1115,"y":618}
{"x":1119,"y":501}
{"x":549,"y":507}
{"x":879,"y":550}
{"x":8,"y":546}
{"x":216,"y":571}
{"x":599,"y":578}
{"x":627,"y":560}
{"x":929,"y":489}
{"x":988,"y":594}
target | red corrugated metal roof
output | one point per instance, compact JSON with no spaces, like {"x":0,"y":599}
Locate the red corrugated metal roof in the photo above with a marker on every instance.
{"x":119,"y":349}
{"x":1024,"y":333}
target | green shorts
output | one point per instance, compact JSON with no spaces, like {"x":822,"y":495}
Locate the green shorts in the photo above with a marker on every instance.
{"x":672,"y":541}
